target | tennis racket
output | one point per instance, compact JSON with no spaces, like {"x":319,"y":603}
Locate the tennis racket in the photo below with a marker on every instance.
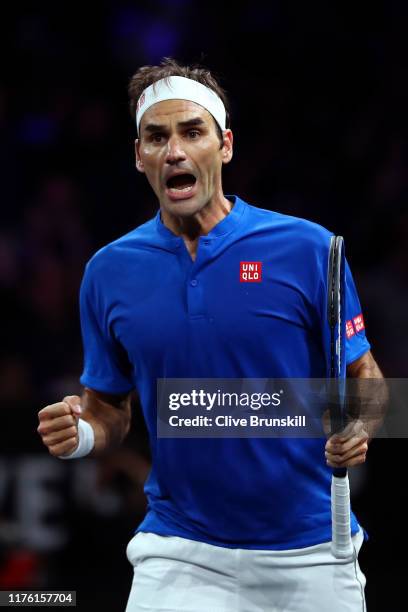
{"x":342,"y":546}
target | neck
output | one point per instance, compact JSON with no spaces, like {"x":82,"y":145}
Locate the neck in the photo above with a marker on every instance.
{"x":199,"y":224}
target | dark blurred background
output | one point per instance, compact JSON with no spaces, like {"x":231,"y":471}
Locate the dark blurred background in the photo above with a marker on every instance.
{"x":319,"y":114}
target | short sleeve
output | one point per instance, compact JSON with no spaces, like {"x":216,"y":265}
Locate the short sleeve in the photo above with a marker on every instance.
{"x":356,"y":341}
{"x":106,"y":367}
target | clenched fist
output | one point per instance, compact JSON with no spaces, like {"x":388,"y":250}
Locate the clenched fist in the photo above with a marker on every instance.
{"x":58,"y":426}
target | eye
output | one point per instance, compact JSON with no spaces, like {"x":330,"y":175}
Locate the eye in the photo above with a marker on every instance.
{"x":193,"y":134}
{"x":156,"y":137}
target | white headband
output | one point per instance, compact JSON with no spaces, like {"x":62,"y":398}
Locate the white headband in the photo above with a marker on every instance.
{"x":180,"y":88}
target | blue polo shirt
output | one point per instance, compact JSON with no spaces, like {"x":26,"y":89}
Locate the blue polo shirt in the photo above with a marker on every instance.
{"x":148,"y":311}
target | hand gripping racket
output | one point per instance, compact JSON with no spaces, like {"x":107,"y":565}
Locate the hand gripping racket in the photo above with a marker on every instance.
{"x":342,"y":546}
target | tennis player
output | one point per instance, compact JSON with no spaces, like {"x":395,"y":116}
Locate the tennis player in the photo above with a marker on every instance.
{"x":233,"y":525}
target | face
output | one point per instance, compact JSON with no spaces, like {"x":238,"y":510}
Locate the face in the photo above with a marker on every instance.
{"x":179,"y":151}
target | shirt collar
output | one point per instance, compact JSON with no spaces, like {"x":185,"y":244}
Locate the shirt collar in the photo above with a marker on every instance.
{"x":224,"y":227}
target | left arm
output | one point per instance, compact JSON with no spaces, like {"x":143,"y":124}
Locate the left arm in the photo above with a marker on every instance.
{"x":349,"y":448}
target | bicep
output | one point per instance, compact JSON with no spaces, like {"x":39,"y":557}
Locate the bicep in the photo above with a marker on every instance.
{"x":106,"y":363}
{"x":357,"y":345}
{"x":364,"y":367}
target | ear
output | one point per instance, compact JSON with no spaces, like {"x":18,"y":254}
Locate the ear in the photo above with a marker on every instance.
{"x":227,"y":147}
{"x":139,"y":163}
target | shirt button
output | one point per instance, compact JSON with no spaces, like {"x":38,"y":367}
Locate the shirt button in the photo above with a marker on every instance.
{"x":194,"y":282}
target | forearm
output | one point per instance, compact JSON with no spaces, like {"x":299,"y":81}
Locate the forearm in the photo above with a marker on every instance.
{"x":109,"y":417}
{"x":367,"y":399}
{"x":369,"y":392}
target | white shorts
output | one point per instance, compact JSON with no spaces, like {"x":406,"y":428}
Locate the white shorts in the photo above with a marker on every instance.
{"x":173,"y":574}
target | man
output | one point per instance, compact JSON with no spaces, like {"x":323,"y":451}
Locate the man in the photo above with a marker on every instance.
{"x":232,"y":524}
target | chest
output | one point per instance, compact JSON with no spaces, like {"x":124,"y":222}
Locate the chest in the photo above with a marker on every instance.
{"x":235,"y":297}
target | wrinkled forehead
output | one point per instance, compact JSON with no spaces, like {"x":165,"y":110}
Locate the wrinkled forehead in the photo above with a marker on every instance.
{"x":171,"y":112}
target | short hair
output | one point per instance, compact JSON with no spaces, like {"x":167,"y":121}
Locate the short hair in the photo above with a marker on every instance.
{"x":147,"y":75}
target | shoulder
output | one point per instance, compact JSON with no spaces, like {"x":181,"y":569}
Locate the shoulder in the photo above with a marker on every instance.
{"x":116,"y":256}
{"x":295,"y":230}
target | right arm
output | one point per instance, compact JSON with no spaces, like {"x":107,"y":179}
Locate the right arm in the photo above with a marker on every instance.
{"x":105,"y":361}
{"x":108,"y":415}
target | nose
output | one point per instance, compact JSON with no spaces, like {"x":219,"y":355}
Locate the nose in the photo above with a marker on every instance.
{"x":175,"y":152}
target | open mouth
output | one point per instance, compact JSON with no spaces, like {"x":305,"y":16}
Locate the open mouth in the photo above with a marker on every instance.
{"x":181,"y":183}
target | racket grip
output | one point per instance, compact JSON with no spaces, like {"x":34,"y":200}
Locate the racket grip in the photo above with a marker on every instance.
{"x":342,"y":545}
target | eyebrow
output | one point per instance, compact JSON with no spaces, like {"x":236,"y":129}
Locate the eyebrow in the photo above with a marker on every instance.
{"x":191,"y":122}
{"x":155,"y":127}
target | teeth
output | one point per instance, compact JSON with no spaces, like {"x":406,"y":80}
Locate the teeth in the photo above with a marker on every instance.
{"x":175,"y":190}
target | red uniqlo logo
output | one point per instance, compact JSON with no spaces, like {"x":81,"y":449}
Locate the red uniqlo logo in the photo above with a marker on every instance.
{"x":359,"y":322}
{"x":349,"y":329}
{"x":250,"y":272}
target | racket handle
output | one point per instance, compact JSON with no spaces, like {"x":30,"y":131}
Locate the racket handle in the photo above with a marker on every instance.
{"x":342,"y":546}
